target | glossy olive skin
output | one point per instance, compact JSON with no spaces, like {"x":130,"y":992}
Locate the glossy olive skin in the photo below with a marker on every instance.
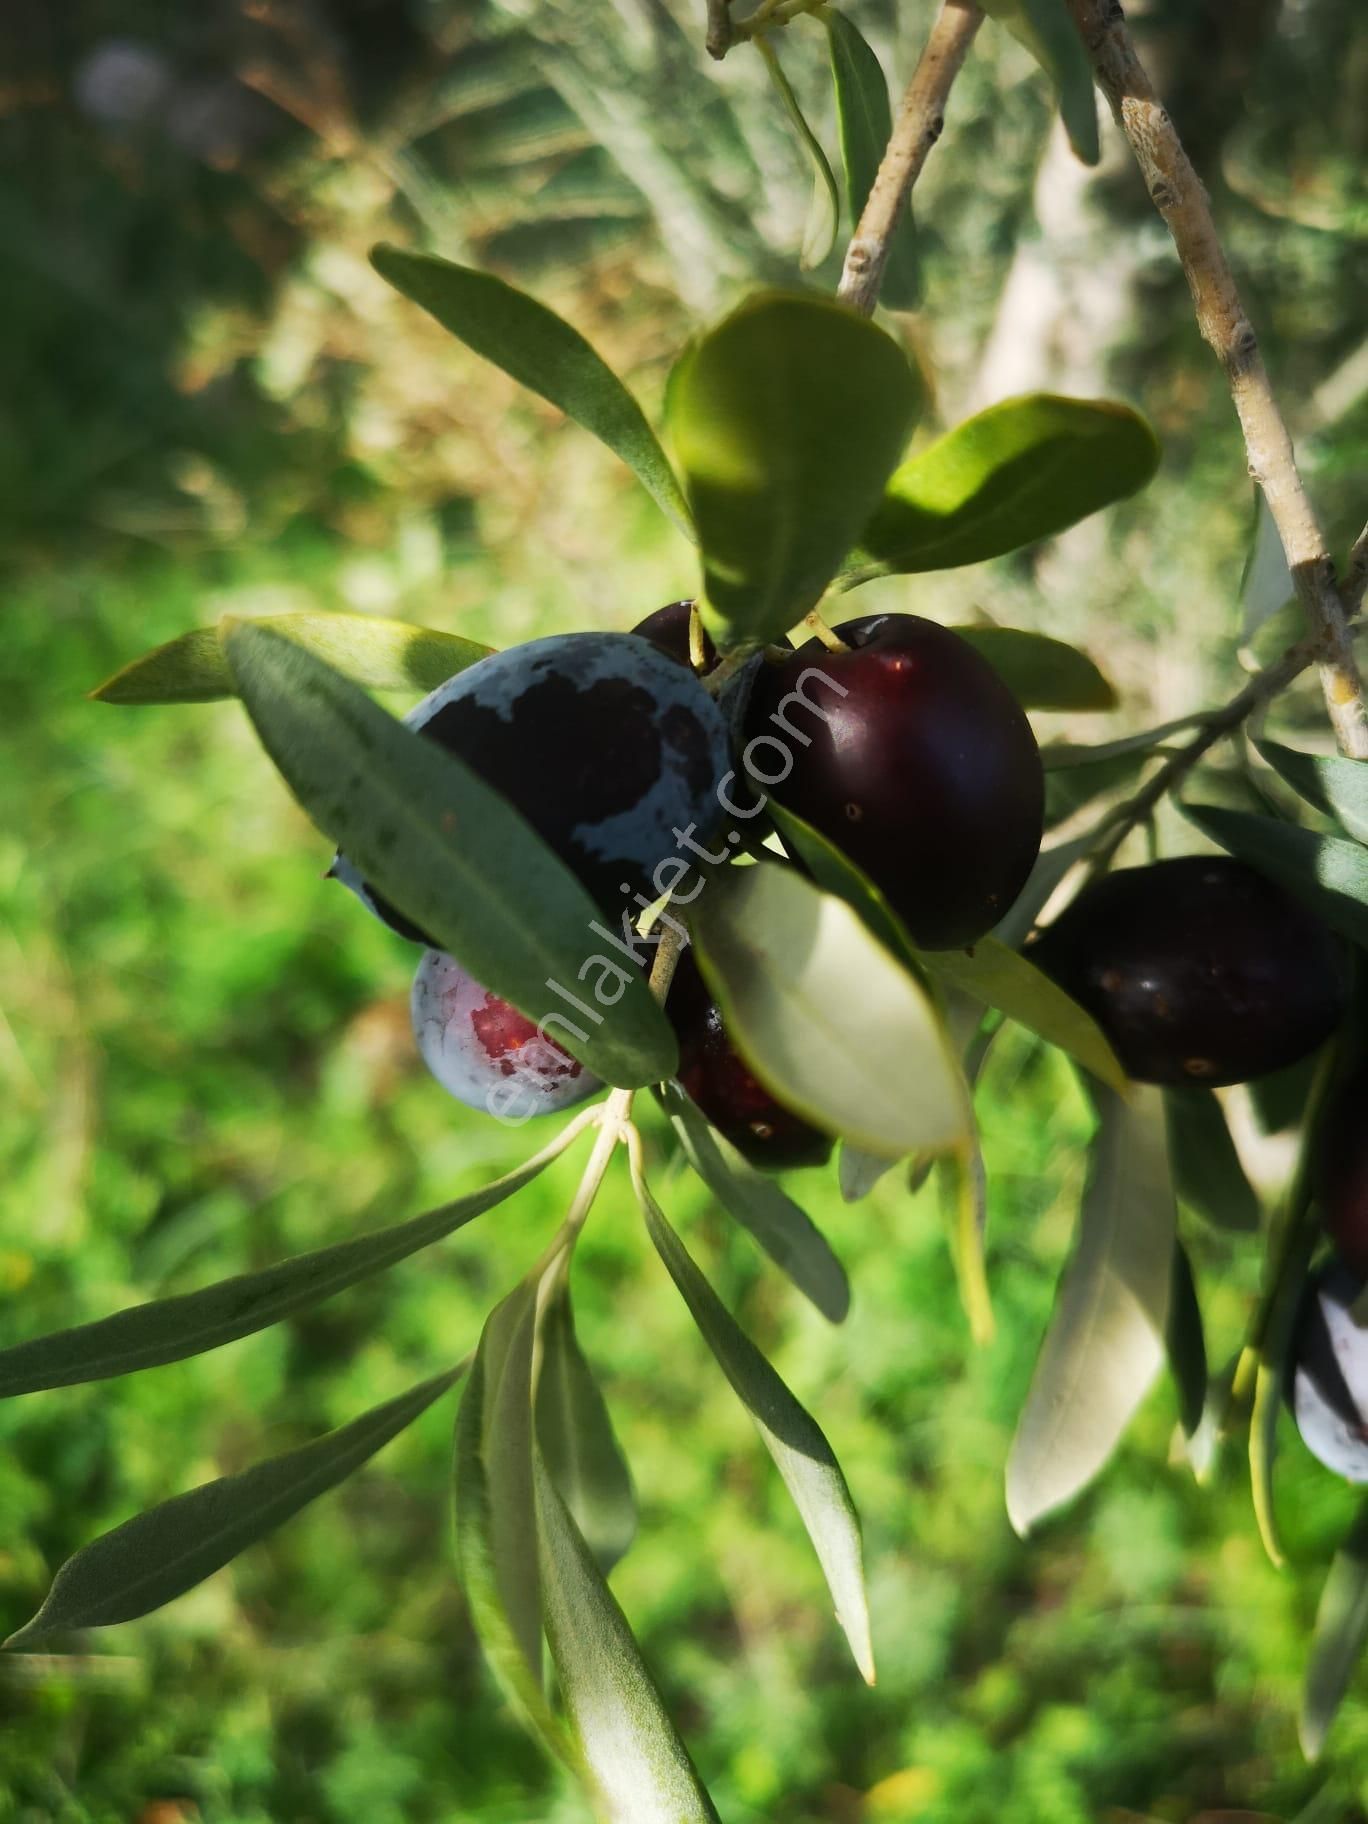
{"x":713,"y":1076}
{"x":603,"y":743}
{"x":668,"y":628}
{"x":1342,"y":1171}
{"x":917,"y":762}
{"x":1328,"y":1372}
{"x":1198,"y":969}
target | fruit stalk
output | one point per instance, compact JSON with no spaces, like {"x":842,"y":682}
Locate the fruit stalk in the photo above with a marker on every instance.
{"x":1178,"y":195}
{"x":917,"y":128}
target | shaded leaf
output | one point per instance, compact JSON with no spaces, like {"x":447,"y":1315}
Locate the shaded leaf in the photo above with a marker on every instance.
{"x":1338,"y":1640}
{"x":826,"y":1018}
{"x":1069,"y":788}
{"x":157,"y":1556}
{"x":541,"y":352}
{"x":801,"y":1453}
{"x":864,"y":120}
{"x":169,"y":1329}
{"x":443,"y":846}
{"x":1333,"y":785}
{"x":1010,"y":476}
{"x":1046,"y":877}
{"x":964,"y":1203}
{"x":1058,"y":756}
{"x":784,"y":1230}
{"x":824,"y":215}
{"x":1327,"y":873}
{"x":1041,"y":673}
{"x":1106,"y":1339}
{"x":786,"y":419}
{"x":1207,"y":1173}
{"x":1186,"y":1343}
{"x":636,"y":1759}
{"x":858,"y":1172}
{"x":383,"y":655}
{"x":833,"y":869}
{"x":1047,"y":31}
{"x":576,"y":1439}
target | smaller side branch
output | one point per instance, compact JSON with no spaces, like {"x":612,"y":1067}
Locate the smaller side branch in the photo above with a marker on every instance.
{"x":1178,"y":195}
{"x":917,"y":128}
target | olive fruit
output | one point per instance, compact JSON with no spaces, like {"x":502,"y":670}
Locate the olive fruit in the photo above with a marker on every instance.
{"x":1198,"y":969}
{"x":668,"y":628}
{"x":913,"y":757}
{"x":610,"y":750}
{"x":484,"y":1052}
{"x":1342,"y":1171}
{"x":1329,"y":1373}
{"x":719,"y":1084}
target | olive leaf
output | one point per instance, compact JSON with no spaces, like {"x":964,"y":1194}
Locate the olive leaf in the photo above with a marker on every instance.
{"x":443,"y":846}
{"x":157,"y":1556}
{"x":1010,"y":476}
{"x":1328,"y":873}
{"x":963,"y":1189}
{"x":1207,"y":1173}
{"x":1052,"y":868}
{"x":1041,"y":672}
{"x":169,"y":1329}
{"x":541,"y":352}
{"x":575,"y":1436}
{"x":864,"y":120}
{"x":1106,"y":1338}
{"x":787,"y":1233}
{"x":1185,"y":1342}
{"x":1047,"y":31}
{"x":801,"y":1452}
{"x":1333,"y":785}
{"x":382,"y":655}
{"x":1068,"y":789}
{"x":824,"y":215}
{"x":858,"y":1172}
{"x":1338,"y":1639}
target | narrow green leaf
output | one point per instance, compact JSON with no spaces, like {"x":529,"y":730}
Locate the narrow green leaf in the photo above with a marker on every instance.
{"x":827,"y":1019}
{"x":1106,"y":1340}
{"x":858,"y":1172}
{"x":787,"y":419}
{"x":1007,"y":477}
{"x":801,"y":1453}
{"x":157,"y":1556}
{"x":864,"y":120}
{"x":824,"y":215}
{"x":169,"y":1329}
{"x":1068,"y":789}
{"x":1046,"y":877}
{"x":444,"y":847}
{"x":787,"y":1233}
{"x":833,"y":869}
{"x":543,"y":353}
{"x":635,"y":1757}
{"x":383,"y":655}
{"x":1337,"y":787}
{"x":1328,"y":873}
{"x":1207,"y":1173}
{"x":1185,"y":1341}
{"x":1002,"y":978}
{"x":1047,"y":31}
{"x":576,"y":1439}
{"x":1041,"y":672}
{"x":963,"y":1190}
{"x":1062,"y":756}
{"x":1275,"y":1344}
{"x":1337,"y":1642}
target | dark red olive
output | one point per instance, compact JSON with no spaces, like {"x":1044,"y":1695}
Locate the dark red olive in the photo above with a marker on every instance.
{"x":1342,"y":1171}
{"x":1199,"y":970}
{"x":713,"y":1076}
{"x":668,"y":628}
{"x":911,"y":754}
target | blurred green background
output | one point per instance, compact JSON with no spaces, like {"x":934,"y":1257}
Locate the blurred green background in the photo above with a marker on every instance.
{"x":208,"y":403}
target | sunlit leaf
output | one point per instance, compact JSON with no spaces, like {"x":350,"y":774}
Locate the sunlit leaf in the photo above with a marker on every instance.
{"x":1041,"y":673}
{"x":1207,"y":1173}
{"x":1011,"y":475}
{"x":383,"y":655}
{"x":576,"y":1438}
{"x":542,"y":352}
{"x":1049,"y":34}
{"x":169,"y":1329}
{"x":150,"y":1560}
{"x":1338,"y":1640}
{"x":801,"y":1453}
{"x":636,"y":1760}
{"x":1338,"y":787}
{"x":1327,"y":873}
{"x":833,"y":869}
{"x":824,"y":215}
{"x":786,"y":419}
{"x":1186,"y":1343}
{"x":786,"y":1233}
{"x":865,"y":122}
{"x":826,"y":1018}
{"x":1106,"y":1339}
{"x":444,"y":847}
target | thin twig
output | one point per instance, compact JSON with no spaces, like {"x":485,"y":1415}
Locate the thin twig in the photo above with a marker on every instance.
{"x":916,"y":130}
{"x":1178,"y":195}
{"x":1355,"y":583}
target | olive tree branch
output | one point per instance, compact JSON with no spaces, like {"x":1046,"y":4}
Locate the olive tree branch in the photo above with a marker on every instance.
{"x":1179,"y":197}
{"x":917,"y":128}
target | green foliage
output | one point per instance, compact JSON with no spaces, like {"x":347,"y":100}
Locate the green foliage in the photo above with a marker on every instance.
{"x":1047,"y":31}
{"x":1041,"y":672}
{"x":865,"y":121}
{"x":575,"y":1437}
{"x":1337,"y":787}
{"x":1207,"y":1173}
{"x":1340,"y":1633}
{"x":824,"y":217}
{"x":1329,"y":873}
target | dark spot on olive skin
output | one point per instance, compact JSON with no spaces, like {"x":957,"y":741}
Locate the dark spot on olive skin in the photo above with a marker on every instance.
{"x":685,"y":736}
